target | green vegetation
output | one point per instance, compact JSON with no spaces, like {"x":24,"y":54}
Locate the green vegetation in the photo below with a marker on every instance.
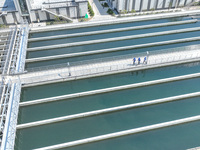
{"x":58,"y":22}
{"x":133,"y":11}
{"x":3,"y":26}
{"x":57,"y":18}
{"x":110,"y":11}
{"x":196,"y":3}
{"x":90,"y":10}
{"x":170,"y":5}
{"x":104,"y":5}
{"x":123,"y":11}
{"x":83,"y":19}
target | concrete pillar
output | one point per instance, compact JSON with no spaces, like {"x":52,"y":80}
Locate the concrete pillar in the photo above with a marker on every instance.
{"x":126,"y":8}
{"x":156,"y":4}
{"x":149,"y":3}
{"x":163,"y":5}
{"x":170,"y":4}
{"x":37,"y":15}
{"x":4,"y":20}
{"x":185,"y":2}
{"x":133,"y":7}
{"x":178,"y":3}
{"x":68,"y":12}
{"x":1,"y":21}
{"x":14,"y":17}
{"x":48,"y":16}
{"x":137,"y":5}
{"x":33,"y":16}
{"x":57,"y":11}
{"x":10,"y":19}
{"x":141,"y":4}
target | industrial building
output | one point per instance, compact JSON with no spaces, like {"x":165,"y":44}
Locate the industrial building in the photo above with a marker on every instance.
{"x":14,"y":11}
{"x":147,"y":5}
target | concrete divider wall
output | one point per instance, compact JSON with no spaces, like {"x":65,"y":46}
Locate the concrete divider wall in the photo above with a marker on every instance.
{"x":117,"y":88}
{"x":107,"y":110}
{"x":122,"y":133}
{"x":113,"y":39}
{"x":111,"y":30}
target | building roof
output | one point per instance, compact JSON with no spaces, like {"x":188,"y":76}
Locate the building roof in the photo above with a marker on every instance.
{"x":7,"y":5}
{"x":37,"y":4}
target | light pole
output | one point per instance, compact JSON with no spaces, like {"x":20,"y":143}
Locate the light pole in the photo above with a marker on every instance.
{"x":69,"y":68}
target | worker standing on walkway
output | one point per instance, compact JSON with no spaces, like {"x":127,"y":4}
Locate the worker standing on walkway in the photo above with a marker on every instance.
{"x":145,"y":60}
{"x":139,"y":60}
{"x":134,"y":59}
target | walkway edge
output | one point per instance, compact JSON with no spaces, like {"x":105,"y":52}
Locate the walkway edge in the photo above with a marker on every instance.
{"x":111,"y":72}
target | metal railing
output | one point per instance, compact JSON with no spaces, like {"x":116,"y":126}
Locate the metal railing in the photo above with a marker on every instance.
{"x":114,"y":58}
{"x":11,"y":116}
{"x":5,"y":95}
{"x":105,"y":65}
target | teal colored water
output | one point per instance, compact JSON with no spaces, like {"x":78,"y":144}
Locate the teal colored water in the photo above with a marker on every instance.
{"x":179,"y":137}
{"x":110,"y":35}
{"x":75,"y":86}
{"x":105,"y":27}
{"x":104,"y":124}
{"x":113,"y":44}
{"x":92,"y":58}
{"x":106,"y":100}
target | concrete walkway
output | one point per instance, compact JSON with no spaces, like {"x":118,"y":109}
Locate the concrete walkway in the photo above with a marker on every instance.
{"x":95,"y":69}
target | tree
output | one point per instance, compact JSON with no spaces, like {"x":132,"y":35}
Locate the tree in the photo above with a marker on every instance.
{"x":133,"y":11}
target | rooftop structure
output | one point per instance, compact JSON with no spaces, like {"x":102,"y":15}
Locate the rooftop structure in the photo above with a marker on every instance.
{"x":7,"y":5}
{"x":15,"y":11}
